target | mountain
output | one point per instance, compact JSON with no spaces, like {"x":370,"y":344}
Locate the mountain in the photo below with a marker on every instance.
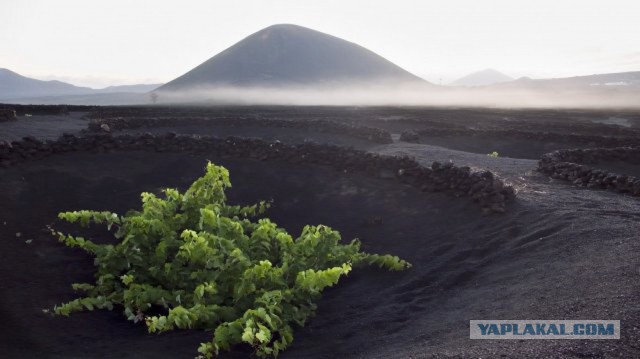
{"x":604,"y":82}
{"x":289,"y":56}
{"x":16,"y":88}
{"x":613,"y":90}
{"x":482,"y":78}
{"x":13,"y":85}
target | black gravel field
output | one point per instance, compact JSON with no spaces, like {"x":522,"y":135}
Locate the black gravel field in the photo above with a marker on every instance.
{"x":558,"y":251}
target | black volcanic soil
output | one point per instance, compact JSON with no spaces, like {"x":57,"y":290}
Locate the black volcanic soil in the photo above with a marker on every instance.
{"x":284,"y":135}
{"x":398,"y":119}
{"x":42,"y":126}
{"x":560,"y":252}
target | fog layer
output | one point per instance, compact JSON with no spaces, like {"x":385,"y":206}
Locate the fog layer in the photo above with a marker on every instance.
{"x":407,"y":96}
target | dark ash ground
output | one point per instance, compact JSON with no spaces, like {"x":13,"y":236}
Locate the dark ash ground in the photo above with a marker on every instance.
{"x":559,"y":252}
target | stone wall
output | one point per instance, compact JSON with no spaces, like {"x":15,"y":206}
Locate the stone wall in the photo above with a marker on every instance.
{"x":590,"y":140}
{"x":367,"y":133}
{"x":574,"y":166}
{"x":489,"y":192}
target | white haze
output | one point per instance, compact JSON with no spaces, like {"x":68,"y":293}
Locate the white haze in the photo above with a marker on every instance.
{"x":405,"y":96}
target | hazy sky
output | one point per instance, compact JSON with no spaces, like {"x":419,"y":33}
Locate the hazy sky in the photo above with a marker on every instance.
{"x":99,"y":43}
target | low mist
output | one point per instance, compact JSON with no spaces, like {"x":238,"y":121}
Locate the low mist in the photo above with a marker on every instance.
{"x":494,"y":97}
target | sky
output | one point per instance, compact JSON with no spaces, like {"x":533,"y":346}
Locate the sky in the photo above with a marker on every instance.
{"x":99,"y":43}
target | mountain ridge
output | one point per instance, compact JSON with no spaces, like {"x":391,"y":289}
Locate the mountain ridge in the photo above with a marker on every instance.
{"x":16,"y":86}
{"x":621,"y":80}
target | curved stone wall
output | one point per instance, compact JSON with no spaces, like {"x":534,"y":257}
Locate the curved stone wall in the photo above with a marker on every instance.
{"x":489,"y":192}
{"x":573,"y":165}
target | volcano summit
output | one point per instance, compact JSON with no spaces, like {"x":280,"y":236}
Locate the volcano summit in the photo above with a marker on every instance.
{"x":292,"y":56}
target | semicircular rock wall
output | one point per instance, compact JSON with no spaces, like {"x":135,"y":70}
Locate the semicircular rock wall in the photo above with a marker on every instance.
{"x":483,"y":188}
{"x":574,"y":166}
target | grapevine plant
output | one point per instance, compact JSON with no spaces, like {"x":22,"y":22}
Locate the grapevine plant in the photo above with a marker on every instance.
{"x":191,"y":261}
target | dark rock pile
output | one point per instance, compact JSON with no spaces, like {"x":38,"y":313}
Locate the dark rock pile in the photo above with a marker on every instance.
{"x":573,"y":165}
{"x":482,"y":187}
{"x":367,"y":133}
{"x":410,"y":136}
{"x":7,"y":114}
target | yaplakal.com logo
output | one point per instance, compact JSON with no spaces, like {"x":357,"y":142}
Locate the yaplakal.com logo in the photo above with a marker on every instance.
{"x":544,"y":329}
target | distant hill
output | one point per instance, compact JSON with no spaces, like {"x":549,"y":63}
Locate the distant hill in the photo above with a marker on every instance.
{"x":21,"y":89}
{"x":13,"y":85}
{"x":291,"y":55}
{"x":619,"y":81}
{"x":482,"y":78}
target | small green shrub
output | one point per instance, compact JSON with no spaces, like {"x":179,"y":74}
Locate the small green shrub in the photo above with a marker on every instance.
{"x":493,"y":154}
{"x":204,"y":264}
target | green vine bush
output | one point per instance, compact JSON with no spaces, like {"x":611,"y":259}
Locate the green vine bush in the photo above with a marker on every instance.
{"x":191,"y":261}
